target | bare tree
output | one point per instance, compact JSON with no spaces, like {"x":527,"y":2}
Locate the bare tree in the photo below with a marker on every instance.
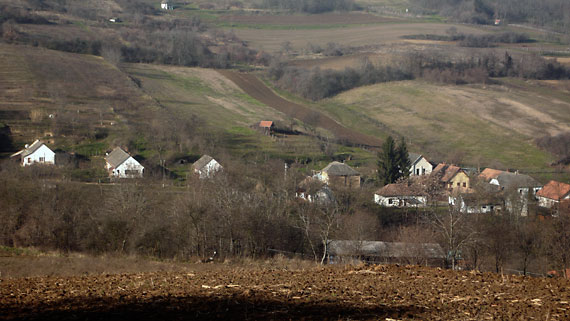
{"x":454,"y":231}
{"x":112,"y":54}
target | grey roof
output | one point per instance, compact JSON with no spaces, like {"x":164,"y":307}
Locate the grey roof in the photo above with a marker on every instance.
{"x":513,"y":180}
{"x":472,"y":199}
{"x":413,"y":157}
{"x":340,"y":169}
{"x":385,"y":249}
{"x":29,"y":150}
{"x":117,"y":157}
{"x":401,"y":189}
{"x":203,"y":161}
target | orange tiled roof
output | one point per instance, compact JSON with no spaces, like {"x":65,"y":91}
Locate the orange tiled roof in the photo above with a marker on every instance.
{"x":265,"y":123}
{"x":554,"y":190}
{"x":489,"y":173}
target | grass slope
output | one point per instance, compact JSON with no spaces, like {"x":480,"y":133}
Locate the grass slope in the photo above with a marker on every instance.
{"x":81,"y":92}
{"x":485,"y":124}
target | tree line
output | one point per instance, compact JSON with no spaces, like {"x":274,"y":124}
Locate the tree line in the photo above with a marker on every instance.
{"x":550,"y":13}
{"x":317,"y":84}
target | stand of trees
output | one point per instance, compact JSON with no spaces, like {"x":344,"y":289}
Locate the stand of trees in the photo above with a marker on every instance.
{"x":551,"y":13}
{"x":317,"y":84}
{"x":249,"y":211}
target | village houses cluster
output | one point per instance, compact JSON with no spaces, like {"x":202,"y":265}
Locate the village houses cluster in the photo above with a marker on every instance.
{"x":467,"y":190}
{"x":491,"y":190}
{"x":118,"y":163}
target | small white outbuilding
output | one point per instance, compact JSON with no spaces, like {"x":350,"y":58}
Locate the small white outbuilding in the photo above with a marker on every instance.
{"x":166,"y":5}
{"x":206,"y":166}
{"x":122,"y":165}
{"x":36,"y":153}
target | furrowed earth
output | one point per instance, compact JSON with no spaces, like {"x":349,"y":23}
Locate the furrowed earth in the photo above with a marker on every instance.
{"x":215,"y":291}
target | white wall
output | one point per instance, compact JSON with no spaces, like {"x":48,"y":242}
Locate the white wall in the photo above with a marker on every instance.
{"x":212,"y":167}
{"x":42,"y":155}
{"x":130,"y":164}
{"x":422,"y":167}
{"x":399,"y":201}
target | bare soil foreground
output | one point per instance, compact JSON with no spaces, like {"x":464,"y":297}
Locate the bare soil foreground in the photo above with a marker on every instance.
{"x":331,"y":293}
{"x":259,"y":91}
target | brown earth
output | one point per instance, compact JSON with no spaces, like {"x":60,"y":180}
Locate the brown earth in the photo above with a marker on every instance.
{"x":318,"y":19}
{"x":331,"y":293}
{"x":259,"y":91}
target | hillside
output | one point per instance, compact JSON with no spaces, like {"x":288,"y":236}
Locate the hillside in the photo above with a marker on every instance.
{"x":87,"y":101}
{"x":490,"y":125}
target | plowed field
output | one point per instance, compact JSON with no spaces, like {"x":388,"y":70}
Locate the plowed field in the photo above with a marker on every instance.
{"x":319,"y":19}
{"x":331,"y":293}
{"x":257,"y":89}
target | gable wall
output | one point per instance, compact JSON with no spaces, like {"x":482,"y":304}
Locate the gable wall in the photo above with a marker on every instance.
{"x":130,"y":164}
{"x":42,"y":155}
{"x":459,"y":183}
{"x":422,"y":166}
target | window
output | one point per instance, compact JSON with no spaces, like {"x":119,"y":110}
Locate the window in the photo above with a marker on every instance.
{"x":458,"y":184}
{"x":42,"y":159}
{"x":423,"y":171}
{"x":389,"y":201}
{"x":29,"y":160}
{"x":464,"y":184}
{"x":418,"y":171}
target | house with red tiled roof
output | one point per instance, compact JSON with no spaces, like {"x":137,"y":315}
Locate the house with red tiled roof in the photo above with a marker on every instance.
{"x":266,"y":126}
{"x":489,"y":173}
{"x":452,"y":177}
{"x":553,"y":193}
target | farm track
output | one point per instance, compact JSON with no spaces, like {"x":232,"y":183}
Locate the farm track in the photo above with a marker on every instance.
{"x":259,"y":91}
{"x":330,"y":293}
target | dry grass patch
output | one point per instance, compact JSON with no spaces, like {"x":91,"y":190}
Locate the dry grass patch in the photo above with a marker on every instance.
{"x":271,"y":40}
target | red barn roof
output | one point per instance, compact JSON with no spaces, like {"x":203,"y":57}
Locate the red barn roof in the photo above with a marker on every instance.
{"x":554,"y":190}
{"x":265,"y":124}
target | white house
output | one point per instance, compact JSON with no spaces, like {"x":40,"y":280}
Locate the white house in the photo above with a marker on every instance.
{"x":401,"y":195}
{"x":419,"y":165}
{"x":122,"y":165}
{"x":517,"y":188}
{"x":474,"y":204}
{"x":552,"y":193}
{"x":313,"y":190}
{"x":37,"y":153}
{"x":206,"y":166}
{"x":166,"y":5}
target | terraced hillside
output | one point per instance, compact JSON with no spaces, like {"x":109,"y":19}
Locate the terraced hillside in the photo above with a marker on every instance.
{"x":50,"y":93}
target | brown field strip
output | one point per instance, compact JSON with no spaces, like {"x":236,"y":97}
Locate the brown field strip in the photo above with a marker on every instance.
{"x":259,"y":91}
{"x":382,"y":292}
{"x":317,"y":19}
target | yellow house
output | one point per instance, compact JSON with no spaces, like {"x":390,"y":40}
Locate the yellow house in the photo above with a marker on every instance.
{"x":453,"y":178}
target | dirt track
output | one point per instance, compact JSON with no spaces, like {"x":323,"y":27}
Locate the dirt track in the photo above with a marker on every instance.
{"x":258,"y":90}
{"x":332,"y":293}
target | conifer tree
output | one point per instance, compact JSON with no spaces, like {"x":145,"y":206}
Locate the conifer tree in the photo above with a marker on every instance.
{"x":393,"y":161}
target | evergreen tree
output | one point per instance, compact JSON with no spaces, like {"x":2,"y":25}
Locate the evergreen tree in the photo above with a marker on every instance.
{"x":403,"y":159}
{"x":387,"y":162}
{"x":393,"y":161}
